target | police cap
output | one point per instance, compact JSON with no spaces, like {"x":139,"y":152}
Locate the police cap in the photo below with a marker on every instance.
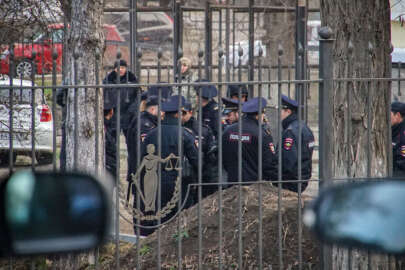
{"x":173,"y":103}
{"x":154,"y":91}
{"x":289,"y":103}
{"x":252,"y":105}
{"x":397,"y":106}
{"x":207,"y":91}
{"x":152,"y":101}
{"x":233,"y":90}
{"x":187,"y":107}
{"x":229,"y":105}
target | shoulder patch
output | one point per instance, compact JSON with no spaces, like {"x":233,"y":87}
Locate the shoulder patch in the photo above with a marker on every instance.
{"x":403,"y":150}
{"x":288,"y":143}
{"x":271,"y":147}
{"x":215,"y":108}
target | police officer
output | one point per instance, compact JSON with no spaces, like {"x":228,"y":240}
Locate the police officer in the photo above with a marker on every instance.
{"x":230,"y":113}
{"x":398,"y":138}
{"x":233,"y":92}
{"x":249,"y":139}
{"x":148,"y":120}
{"x":169,"y":148}
{"x":290,"y":136}
{"x":208,"y":148}
{"x":209,"y":106}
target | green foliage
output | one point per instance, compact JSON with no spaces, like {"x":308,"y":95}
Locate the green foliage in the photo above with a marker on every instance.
{"x":180,"y":235}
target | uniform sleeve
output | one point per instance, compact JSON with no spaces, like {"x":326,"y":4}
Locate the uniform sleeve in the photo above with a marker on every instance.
{"x":190,"y":149}
{"x":270,"y":161}
{"x":290,"y":155}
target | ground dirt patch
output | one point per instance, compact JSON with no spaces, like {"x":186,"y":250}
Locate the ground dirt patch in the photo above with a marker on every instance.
{"x":189,"y":228}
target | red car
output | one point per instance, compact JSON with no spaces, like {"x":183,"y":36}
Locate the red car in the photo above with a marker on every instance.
{"x":43,"y":44}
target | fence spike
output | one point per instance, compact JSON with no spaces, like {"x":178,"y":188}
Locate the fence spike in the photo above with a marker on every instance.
{"x":350,"y":47}
{"x":260,"y":50}
{"x":180,"y":52}
{"x":280,"y":50}
{"x":200,"y":53}
{"x":240,"y":51}
{"x":220,"y":52}
{"x":139,"y":53}
{"x":54,"y":54}
{"x":370,"y":48}
{"x":325,"y":32}
{"x":159,"y":52}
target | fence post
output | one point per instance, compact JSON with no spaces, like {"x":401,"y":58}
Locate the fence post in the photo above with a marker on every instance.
{"x":325,"y":121}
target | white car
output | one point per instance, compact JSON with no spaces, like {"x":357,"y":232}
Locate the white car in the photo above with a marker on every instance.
{"x":22,"y":122}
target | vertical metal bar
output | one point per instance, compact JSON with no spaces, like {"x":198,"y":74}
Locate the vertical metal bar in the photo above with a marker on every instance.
{"x":76,"y":112}
{"x":118,"y":145}
{"x":300,"y":96}
{"x":138,"y":66}
{"x":208,"y":40}
{"x":349,"y":116}
{"x":233,"y":42}
{"x":133,"y":20}
{"x":300,"y":39}
{"x":33,"y":111}
{"x":159,"y":237}
{"x":54,"y":57}
{"x":176,"y":41}
{"x":399,"y":77}
{"x":370,"y":52}
{"x":148,"y":74}
{"x":227,"y":34}
{"x":251,"y":46}
{"x":279,"y":216}
{"x":325,"y":119}
{"x":97,"y":128}
{"x":260,"y":157}
{"x":200,"y":244}
{"x":240,"y":239}
{"x":220,"y":54}
{"x":180,"y":154}
{"x":11,"y":124}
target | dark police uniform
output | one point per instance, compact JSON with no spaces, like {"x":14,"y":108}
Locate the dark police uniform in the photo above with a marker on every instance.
{"x":209,"y":150}
{"x":147,"y":123}
{"x":110,"y":143}
{"x":233,"y":90}
{"x":209,"y":111}
{"x":250,"y":139}
{"x":398,"y":142}
{"x":170,"y":133}
{"x":289,"y":147}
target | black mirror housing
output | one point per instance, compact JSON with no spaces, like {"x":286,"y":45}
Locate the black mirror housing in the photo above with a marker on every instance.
{"x":52,"y":213}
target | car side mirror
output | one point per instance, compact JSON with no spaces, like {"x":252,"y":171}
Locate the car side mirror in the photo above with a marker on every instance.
{"x":364,"y":215}
{"x":52,"y":213}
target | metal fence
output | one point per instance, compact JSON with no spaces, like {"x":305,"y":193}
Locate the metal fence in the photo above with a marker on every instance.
{"x":236,"y":202}
{"x":314,"y":93}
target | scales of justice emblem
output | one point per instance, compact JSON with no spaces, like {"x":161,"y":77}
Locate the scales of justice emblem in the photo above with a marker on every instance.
{"x":150,"y":184}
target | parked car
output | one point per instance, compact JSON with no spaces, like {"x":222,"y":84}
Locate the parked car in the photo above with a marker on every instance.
{"x":154,"y":28}
{"x":43,"y":44}
{"x":22,"y":122}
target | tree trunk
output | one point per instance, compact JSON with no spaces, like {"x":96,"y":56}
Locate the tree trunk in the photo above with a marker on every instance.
{"x":83,"y":39}
{"x":361,"y":50}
